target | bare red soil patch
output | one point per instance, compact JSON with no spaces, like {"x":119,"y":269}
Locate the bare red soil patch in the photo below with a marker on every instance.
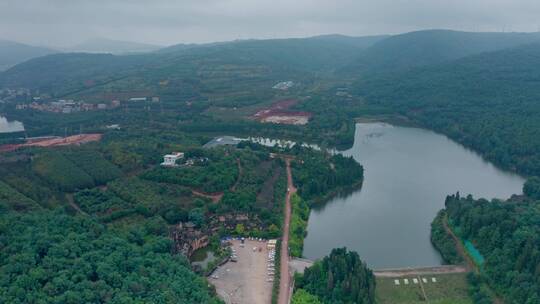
{"x":53,"y":142}
{"x":279,"y":113}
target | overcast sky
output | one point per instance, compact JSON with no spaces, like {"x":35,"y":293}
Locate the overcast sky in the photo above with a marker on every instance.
{"x":165,"y":22}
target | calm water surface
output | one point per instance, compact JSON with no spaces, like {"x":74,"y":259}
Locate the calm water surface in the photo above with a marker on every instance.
{"x":408,"y":173}
{"x":10,"y":126}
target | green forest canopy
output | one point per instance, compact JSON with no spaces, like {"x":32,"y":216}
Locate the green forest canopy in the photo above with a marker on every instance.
{"x":340,"y":278}
{"x":507,"y":234}
{"x":51,"y":257}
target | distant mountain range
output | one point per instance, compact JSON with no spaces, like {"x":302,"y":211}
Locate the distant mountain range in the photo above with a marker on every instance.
{"x":338,"y":56}
{"x":431,"y":47}
{"x":12,"y":53}
{"x":101,"y":45}
{"x":63,"y":74}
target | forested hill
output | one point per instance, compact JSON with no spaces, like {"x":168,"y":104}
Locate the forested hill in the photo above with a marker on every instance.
{"x":490,"y":102}
{"x":507,"y":234}
{"x":275,"y":59}
{"x":430,"y":47}
{"x":321,"y":53}
{"x":72,"y":71}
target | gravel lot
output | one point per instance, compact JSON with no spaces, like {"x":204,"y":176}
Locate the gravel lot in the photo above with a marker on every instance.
{"x":245,"y":281}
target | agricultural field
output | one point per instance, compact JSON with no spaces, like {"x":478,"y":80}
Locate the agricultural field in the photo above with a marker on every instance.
{"x":11,"y":199}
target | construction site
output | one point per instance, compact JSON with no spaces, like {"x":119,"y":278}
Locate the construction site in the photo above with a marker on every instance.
{"x":52,"y":141}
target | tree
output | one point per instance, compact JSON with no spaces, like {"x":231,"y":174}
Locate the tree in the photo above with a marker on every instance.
{"x":303,"y":297}
{"x":196,"y":216}
{"x":532,"y":188}
{"x":239,"y":229}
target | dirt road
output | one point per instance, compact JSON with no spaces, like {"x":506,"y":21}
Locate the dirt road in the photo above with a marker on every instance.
{"x":459,"y":245}
{"x":71,"y":201}
{"x":54,"y":142}
{"x":284,"y":281}
{"x":216,"y":197}
{"x":240,"y":172}
{"x":461,"y":251}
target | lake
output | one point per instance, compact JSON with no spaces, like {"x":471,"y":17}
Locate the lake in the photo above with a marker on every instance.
{"x":202,"y":257}
{"x":408,"y":173}
{"x":10,"y":126}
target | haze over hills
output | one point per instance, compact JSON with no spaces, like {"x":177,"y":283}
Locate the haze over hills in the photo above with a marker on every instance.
{"x":480,"y":89}
{"x":102,"y":45}
{"x":430,"y":47}
{"x":68,"y":70}
{"x":249,"y":59}
{"x":13,"y":53}
{"x":346,"y":56}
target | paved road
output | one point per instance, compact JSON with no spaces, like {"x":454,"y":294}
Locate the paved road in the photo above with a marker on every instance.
{"x":284,"y":281}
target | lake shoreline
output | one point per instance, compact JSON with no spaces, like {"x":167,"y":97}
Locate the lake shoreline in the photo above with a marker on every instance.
{"x":408,"y":173}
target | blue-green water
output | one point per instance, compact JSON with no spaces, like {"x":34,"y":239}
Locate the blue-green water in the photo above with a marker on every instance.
{"x":474,"y":253}
{"x":408,"y":174}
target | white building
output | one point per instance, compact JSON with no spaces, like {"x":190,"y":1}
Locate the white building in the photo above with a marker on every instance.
{"x":169,"y":160}
{"x":136,"y":99}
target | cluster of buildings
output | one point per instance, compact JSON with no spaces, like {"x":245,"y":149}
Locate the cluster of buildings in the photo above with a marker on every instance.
{"x":284,"y":85}
{"x":67,"y":106}
{"x":187,"y":238}
{"x":10,"y":95}
{"x":73,"y":106}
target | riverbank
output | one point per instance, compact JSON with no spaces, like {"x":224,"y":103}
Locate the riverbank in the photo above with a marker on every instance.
{"x":395,"y":120}
{"x":299,"y":220}
{"x":338,"y":192}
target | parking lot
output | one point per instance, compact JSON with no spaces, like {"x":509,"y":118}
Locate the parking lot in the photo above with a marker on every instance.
{"x":250,"y":278}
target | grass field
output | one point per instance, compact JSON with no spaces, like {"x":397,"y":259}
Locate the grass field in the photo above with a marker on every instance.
{"x":449,"y":289}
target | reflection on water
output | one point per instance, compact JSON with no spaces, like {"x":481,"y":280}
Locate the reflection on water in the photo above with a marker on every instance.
{"x":408,"y":173}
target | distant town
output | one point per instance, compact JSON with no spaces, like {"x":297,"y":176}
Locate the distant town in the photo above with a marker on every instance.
{"x":24,"y":100}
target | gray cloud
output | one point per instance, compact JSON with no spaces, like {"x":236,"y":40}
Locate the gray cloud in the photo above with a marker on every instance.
{"x":67,"y":22}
